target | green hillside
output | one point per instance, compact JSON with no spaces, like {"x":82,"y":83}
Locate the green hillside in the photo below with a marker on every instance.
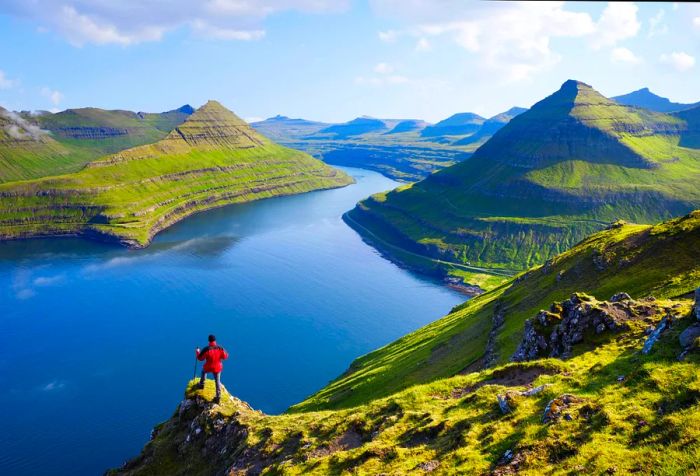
{"x":426,"y":404}
{"x":573,"y":163}
{"x":53,"y":144}
{"x":212,"y":159}
{"x":26,"y":150}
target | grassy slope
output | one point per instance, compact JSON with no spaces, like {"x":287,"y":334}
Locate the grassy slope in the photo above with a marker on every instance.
{"x":76,"y":137}
{"x":573,"y":163}
{"x":639,"y":259}
{"x":212,"y":159}
{"x":412,"y":419}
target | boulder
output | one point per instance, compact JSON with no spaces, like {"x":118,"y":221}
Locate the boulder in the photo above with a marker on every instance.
{"x":688,"y":336}
{"x":620,"y":297}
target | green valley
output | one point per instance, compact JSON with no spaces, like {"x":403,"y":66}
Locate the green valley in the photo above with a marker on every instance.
{"x":571,"y":165}
{"x":461,"y":395}
{"x":211,"y":159}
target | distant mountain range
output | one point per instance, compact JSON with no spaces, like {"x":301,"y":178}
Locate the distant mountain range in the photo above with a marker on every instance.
{"x":403,"y":149}
{"x":572,"y":164}
{"x":648,"y":100}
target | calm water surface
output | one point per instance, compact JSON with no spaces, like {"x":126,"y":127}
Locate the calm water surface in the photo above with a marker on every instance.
{"x":96,"y":341}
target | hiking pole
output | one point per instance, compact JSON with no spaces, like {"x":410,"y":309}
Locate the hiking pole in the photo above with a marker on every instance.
{"x":195,"y":368}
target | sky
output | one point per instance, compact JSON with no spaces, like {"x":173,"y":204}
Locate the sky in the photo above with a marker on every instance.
{"x":334,"y":60}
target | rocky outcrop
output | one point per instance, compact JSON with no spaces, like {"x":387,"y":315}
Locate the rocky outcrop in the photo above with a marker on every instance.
{"x":554,"y":333}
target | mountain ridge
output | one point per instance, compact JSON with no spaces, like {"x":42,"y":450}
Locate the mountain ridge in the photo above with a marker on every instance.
{"x":571,"y":164}
{"x":212,"y":159}
{"x":646,"y":99}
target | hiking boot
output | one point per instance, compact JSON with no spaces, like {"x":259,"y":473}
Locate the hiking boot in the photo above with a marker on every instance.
{"x":217,"y":399}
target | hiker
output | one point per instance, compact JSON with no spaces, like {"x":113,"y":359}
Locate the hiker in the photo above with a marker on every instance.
{"x":213,"y":354}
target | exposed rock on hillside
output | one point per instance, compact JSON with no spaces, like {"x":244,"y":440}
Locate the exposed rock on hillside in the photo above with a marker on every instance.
{"x":555,"y":332}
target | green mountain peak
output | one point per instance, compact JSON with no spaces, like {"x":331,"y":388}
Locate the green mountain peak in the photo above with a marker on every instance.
{"x":573,"y":163}
{"x":215,"y":126}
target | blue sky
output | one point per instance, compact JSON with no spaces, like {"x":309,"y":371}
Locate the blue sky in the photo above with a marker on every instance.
{"x":333,"y":60}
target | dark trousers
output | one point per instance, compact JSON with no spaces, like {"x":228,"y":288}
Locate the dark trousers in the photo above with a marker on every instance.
{"x":217,"y":379}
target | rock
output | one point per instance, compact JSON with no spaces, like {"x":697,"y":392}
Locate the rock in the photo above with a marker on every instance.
{"x":688,"y":336}
{"x":535,"y":390}
{"x":697,"y":304}
{"x":503,"y":403}
{"x":654,"y":336}
{"x":620,"y":297}
{"x":553,"y":333}
{"x":429,"y":466}
{"x":557,"y":407}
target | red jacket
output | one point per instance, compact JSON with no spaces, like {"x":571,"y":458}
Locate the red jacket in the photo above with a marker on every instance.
{"x":214,"y":355}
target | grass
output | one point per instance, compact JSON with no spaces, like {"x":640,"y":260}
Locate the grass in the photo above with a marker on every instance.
{"x":633,"y":414}
{"x":72,"y":138}
{"x":426,"y":404}
{"x":566,"y":168}
{"x":639,"y":259}
{"x":213,"y":159}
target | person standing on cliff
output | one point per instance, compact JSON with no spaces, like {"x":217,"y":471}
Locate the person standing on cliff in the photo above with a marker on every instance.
{"x":214,"y":354}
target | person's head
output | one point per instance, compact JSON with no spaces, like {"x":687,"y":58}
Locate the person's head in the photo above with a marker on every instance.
{"x":212,"y":338}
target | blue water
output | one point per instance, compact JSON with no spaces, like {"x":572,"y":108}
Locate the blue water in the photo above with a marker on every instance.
{"x":96,"y":341}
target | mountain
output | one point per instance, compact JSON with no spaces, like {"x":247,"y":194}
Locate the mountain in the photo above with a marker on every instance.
{"x":26,"y":149}
{"x":572,"y":368}
{"x":573,"y":163}
{"x":65,"y":141}
{"x":410,"y":125}
{"x":648,"y":100}
{"x":392,"y":147}
{"x":491,"y":126}
{"x":455,"y":125}
{"x":358,"y":126}
{"x":282,"y":128}
{"x":690,"y":137}
{"x":212,"y":159}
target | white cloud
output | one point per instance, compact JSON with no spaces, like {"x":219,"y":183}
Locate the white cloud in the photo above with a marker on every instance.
{"x":656,"y":25}
{"x":678,"y":60}
{"x":5,"y":82}
{"x":423,"y":45}
{"x":54,"y":96}
{"x":624,"y":55}
{"x":127,"y":22}
{"x":617,"y":22}
{"x":21,"y":129}
{"x":513,"y":40}
{"x":696,"y":23}
{"x":383,"y":68}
